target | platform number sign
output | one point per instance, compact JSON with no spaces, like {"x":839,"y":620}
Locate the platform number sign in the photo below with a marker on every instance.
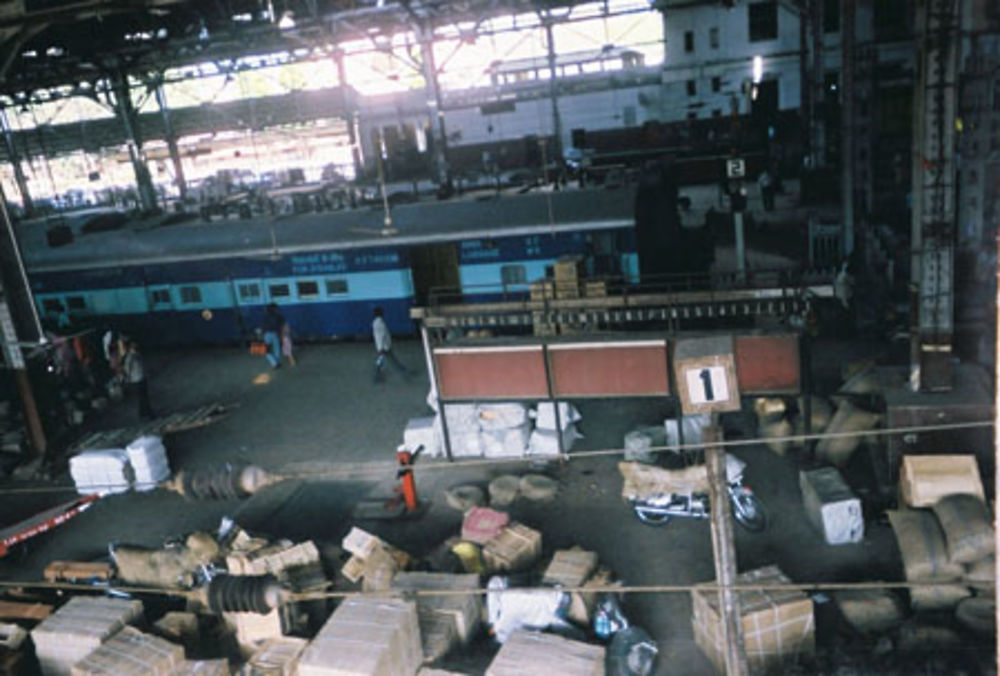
{"x":705,"y":374}
{"x":707,"y":385}
{"x":735,"y":168}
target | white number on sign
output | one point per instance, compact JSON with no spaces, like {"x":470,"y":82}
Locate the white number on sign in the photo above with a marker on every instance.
{"x":707,"y":385}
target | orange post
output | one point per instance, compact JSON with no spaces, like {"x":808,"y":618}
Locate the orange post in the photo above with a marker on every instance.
{"x":409,"y":484}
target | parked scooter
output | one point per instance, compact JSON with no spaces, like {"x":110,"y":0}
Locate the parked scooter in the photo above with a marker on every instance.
{"x":748,"y":510}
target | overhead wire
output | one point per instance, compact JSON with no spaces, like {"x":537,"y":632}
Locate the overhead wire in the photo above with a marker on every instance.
{"x":354,"y":470}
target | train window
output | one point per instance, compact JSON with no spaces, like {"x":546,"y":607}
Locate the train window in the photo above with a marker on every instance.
{"x":307,"y":289}
{"x":76,"y":303}
{"x":336,"y":286}
{"x":513,"y":274}
{"x":279,"y":291}
{"x":160,"y":296}
{"x":249,"y":291}
{"x":52,"y":305}
{"x":190,"y":295}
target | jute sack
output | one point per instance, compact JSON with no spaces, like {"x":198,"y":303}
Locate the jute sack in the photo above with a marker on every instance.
{"x":922,"y":545}
{"x":982,"y":574}
{"x":870,"y":611}
{"x":966,"y":526}
{"x":978,"y":614}
{"x":848,"y":418}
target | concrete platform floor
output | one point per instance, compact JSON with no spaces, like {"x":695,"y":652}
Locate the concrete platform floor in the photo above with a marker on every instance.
{"x":325,"y":417}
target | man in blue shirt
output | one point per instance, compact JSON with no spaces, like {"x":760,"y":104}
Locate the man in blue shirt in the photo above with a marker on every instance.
{"x":272,"y":325}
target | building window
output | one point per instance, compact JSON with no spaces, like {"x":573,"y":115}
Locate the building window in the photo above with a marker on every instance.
{"x":513,"y":274}
{"x":716,"y":84}
{"x":335,"y":287}
{"x":279,"y":291}
{"x":249,"y":292}
{"x":307,"y":289}
{"x":692,"y":87}
{"x":190,"y":295}
{"x":763,"y":21}
{"x":160,"y":296}
{"x":76,"y":303}
{"x":831,"y":16}
{"x":689,"y":41}
{"x":713,"y":37}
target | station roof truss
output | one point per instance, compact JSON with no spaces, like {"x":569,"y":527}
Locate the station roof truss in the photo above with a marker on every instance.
{"x":58,"y":48}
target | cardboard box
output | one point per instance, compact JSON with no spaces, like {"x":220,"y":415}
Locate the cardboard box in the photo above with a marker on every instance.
{"x":253,"y":628}
{"x":366,"y":637}
{"x":595,"y":288}
{"x":535,"y":654}
{"x":831,"y":507}
{"x":274,"y":559}
{"x":568,"y":268}
{"x":515,"y":548}
{"x":777,"y":625}
{"x":463,"y":611}
{"x":542,"y":290}
{"x":131,"y":653}
{"x":218,"y":667}
{"x":360,"y":542}
{"x":924,"y":479}
{"x":277,"y":657}
{"x":570,"y":567}
{"x":78,"y":628}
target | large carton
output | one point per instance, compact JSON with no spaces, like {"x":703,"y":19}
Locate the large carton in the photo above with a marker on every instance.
{"x":570,"y":567}
{"x":462,"y":612}
{"x":831,"y":507}
{"x":277,"y":657}
{"x":777,"y":625}
{"x":78,"y":628}
{"x":925,"y":479}
{"x":515,"y":548}
{"x":366,"y":637}
{"x":527,"y":653}
{"x":131,"y":653}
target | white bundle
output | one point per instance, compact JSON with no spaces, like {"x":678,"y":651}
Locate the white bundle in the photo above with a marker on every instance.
{"x":501,"y":415}
{"x":461,"y":418}
{"x":148,"y":457}
{"x":545,"y":442}
{"x":101,"y":471}
{"x":507,"y":442}
{"x":424,"y":432}
{"x":545,"y":416}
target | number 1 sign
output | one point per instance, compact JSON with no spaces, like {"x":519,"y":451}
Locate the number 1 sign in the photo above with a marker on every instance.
{"x":706,"y":374}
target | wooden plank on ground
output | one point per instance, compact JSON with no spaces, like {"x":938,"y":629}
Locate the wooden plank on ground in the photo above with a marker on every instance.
{"x":14,"y":610}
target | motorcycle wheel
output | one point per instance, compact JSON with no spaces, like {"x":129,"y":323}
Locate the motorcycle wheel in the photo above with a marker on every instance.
{"x":650,"y":518}
{"x":749,"y":511}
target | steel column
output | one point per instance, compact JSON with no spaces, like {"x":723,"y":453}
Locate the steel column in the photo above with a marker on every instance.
{"x":550,"y":44}
{"x":171,"y":138}
{"x":351,"y":116}
{"x":847,"y":26}
{"x":425,"y":35}
{"x":15,"y":161}
{"x":126,"y":112}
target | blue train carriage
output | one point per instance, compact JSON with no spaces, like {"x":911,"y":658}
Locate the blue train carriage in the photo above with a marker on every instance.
{"x":197,"y":283}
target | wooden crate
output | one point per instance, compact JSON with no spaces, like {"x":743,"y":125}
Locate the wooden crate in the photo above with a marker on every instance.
{"x":568,"y":268}
{"x":58,"y":571}
{"x":366,"y":637}
{"x":924,"y":479}
{"x":595,"y":288}
{"x":218,"y":667}
{"x":777,"y":625}
{"x":15,"y":610}
{"x":542,"y":290}
{"x":463,"y":610}
{"x":568,"y":290}
{"x":131,"y":653}
{"x":515,"y":548}
{"x":570,"y":567}
{"x":528,"y":653}
{"x":251,"y":629}
{"x":277,"y":657}
{"x":79,"y":628}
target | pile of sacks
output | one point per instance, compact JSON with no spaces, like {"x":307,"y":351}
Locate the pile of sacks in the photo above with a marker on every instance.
{"x":140,"y":465}
{"x":496,"y":430}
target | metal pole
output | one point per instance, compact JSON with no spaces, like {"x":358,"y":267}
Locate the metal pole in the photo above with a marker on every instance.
{"x":438,"y":133}
{"x":126,"y":111}
{"x":847,"y":125}
{"x":35,"y":429}
{"x":15,"y":161}
{"x":350,"y":114}
{"x":741,"y":253}
{"x":724,"y":549}
{"x":168,"y":129}
{"x":554,"y":90}
{"x":817,"y":121}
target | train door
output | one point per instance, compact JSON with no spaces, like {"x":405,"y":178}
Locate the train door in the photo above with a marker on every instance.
{"x":162,"y":319}
{"x":435,"y":271}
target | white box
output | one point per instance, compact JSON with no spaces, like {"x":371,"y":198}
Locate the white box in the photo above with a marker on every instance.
{"x":831,"y":507}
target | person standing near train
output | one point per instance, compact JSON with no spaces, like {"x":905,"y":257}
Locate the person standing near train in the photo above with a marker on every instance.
{"x":272,"y":325}
{"x":135,"y":379}
{"x":383,"y":346}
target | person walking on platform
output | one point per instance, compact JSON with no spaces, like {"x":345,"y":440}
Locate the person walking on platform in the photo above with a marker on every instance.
{"x":383,"y":346}
{"x":287,"y":347}
{"x":135,"y":379}
{"x":272,"y":325}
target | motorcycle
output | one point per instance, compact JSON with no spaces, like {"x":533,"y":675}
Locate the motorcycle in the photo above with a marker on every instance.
{"x":748,"y":510}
